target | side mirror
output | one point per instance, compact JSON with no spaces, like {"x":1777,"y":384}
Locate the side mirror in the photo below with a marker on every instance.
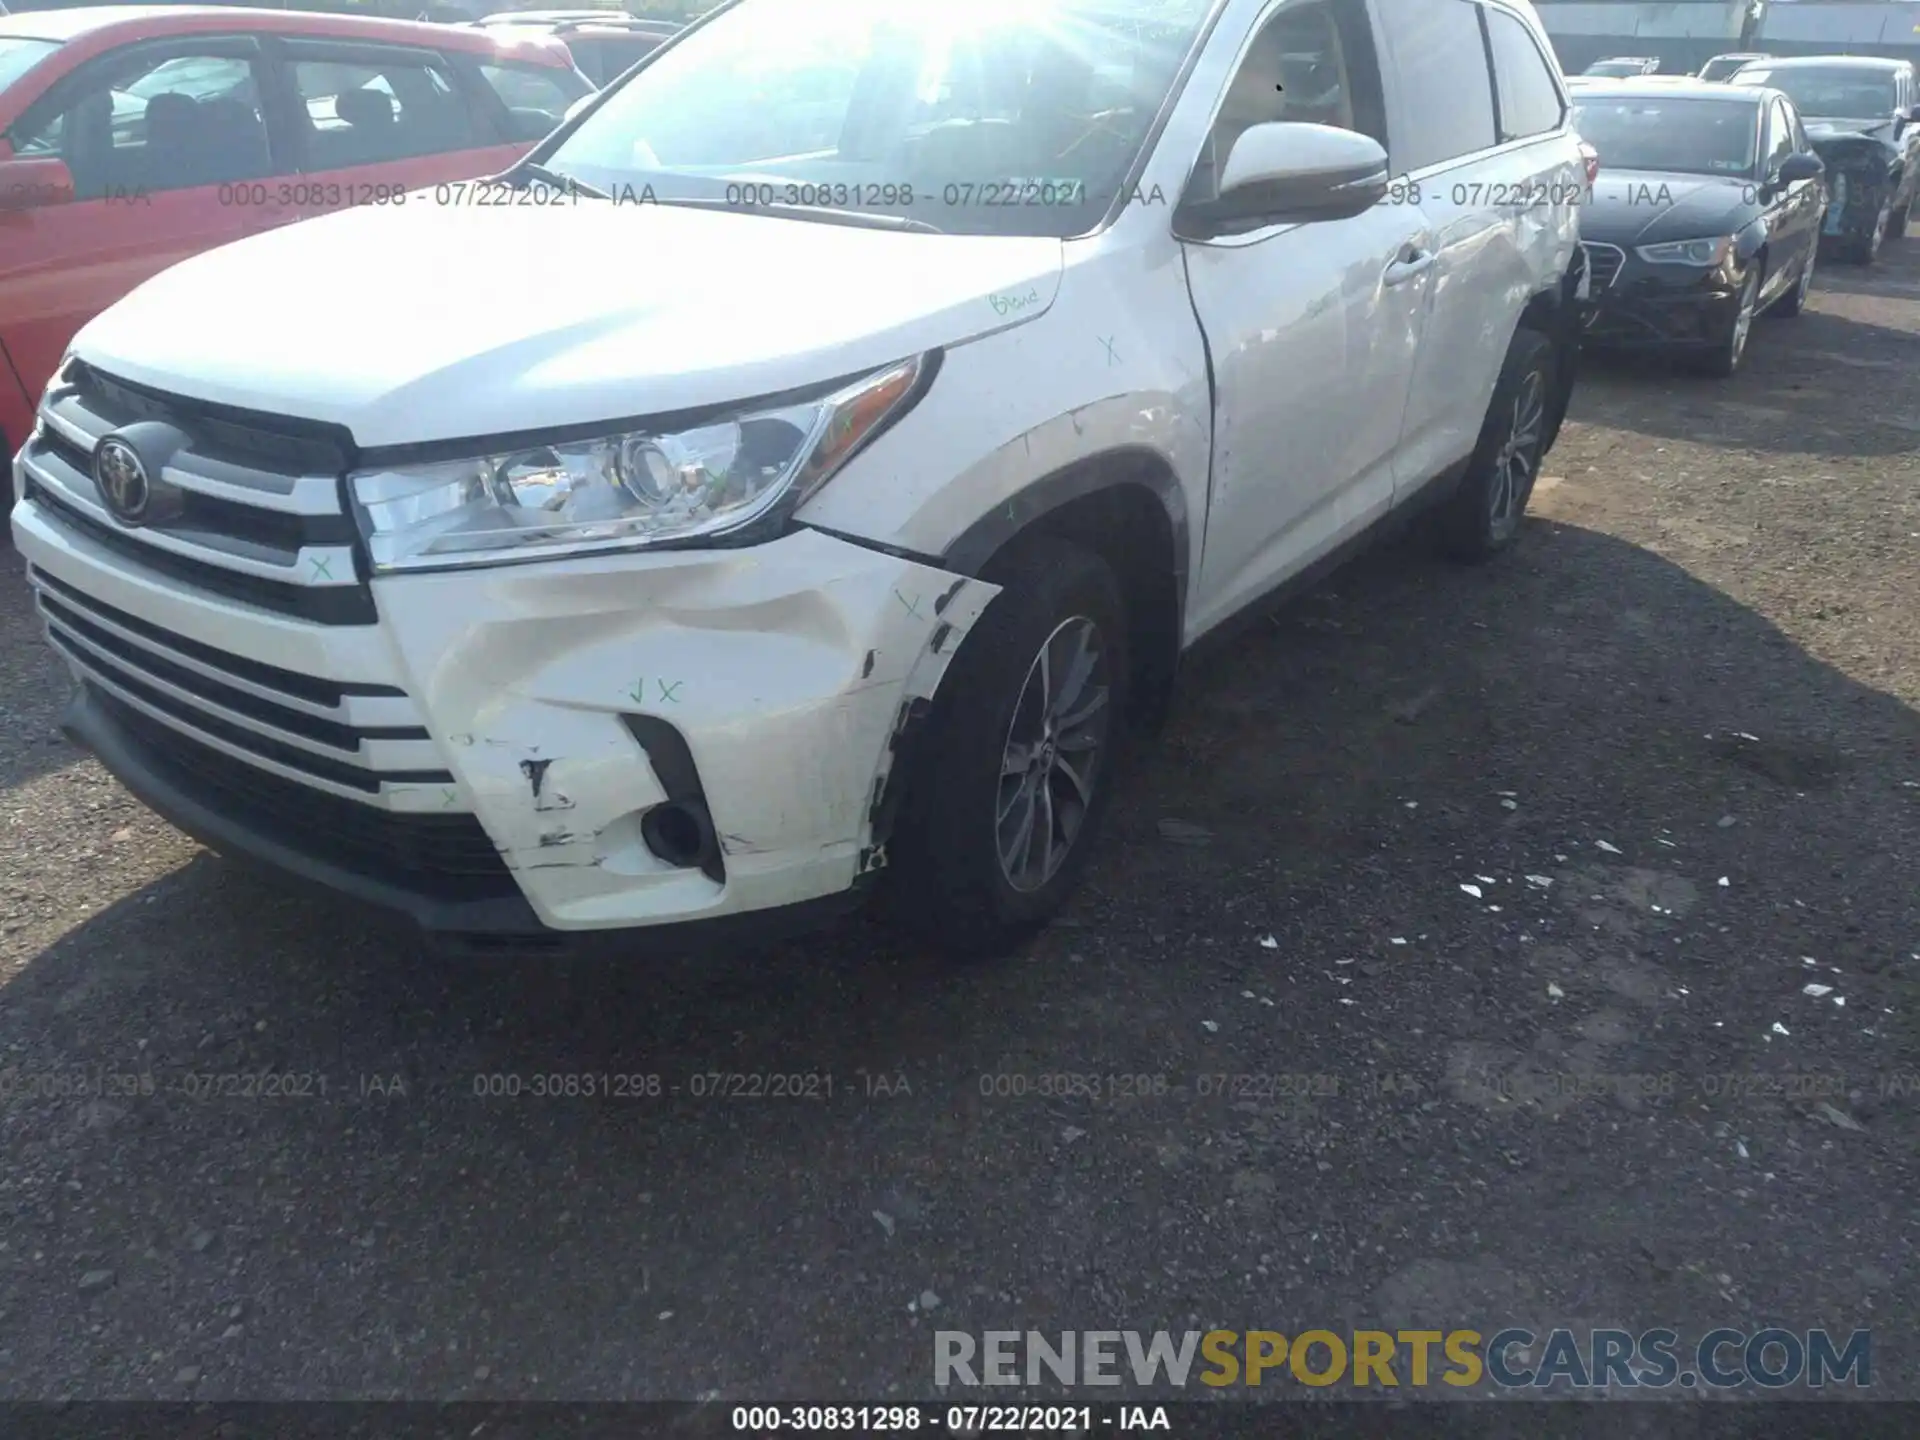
{"x":28,"y":184}
{"x":1285,"y":173}
{"x":1800,"y":166}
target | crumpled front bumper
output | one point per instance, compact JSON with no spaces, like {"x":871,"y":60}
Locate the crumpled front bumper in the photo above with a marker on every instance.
{"x":548,"y":695}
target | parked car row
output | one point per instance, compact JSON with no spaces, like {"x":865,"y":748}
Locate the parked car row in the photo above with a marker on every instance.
{"x":822,"y":522}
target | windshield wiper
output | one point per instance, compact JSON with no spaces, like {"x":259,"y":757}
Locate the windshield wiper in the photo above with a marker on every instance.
{"x":824,"y":215}
{"x":522,"y":173}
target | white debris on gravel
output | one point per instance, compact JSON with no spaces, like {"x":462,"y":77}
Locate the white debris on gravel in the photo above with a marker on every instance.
{"x":1209,"y":1026}
{"x":1835,"y":1116}
{"x":1725,"y":882}
{"x":1816,"y":990}
{"x":1780,"y":1029}
{"x":1486,"y":879}
{"x":1509,"y":804}
{"x":1473,"y":890}
{"x":1726,"y":822}
{"x":1540,"y":882}
{"x":1841,"y":1001}
{"x":1554,"y":992}
{"x":1610,"y":849}
{"x":1397,"y":940}
{"x":886,"y":1222}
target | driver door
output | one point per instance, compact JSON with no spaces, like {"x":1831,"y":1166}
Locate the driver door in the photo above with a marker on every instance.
{"x":1312,"y":329}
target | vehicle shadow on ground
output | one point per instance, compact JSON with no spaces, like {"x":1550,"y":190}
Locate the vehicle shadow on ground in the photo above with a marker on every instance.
{"x":33,"y":684}
{"x":1799,"y":375}
{"x":1579,"y":673}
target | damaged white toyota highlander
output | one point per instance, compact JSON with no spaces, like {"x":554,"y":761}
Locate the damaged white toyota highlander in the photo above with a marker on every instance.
{"x":798,"y":475}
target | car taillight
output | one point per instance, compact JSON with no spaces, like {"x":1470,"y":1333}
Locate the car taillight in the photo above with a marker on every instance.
{"x":1591,"y":157}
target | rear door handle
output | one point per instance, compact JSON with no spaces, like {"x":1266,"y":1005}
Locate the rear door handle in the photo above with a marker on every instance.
{"x":1413,"y":263}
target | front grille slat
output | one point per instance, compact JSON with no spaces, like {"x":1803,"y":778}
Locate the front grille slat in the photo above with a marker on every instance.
{"x":260,"y":515}
{"x":224,"y":701}
{"x":253,"y":744}
{"x":444,"y":856}
{"x":330,"y":605}
{"x":335,"y":697}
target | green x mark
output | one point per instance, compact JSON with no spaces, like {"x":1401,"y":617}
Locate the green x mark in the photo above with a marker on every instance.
{"x":321,"y":564}
{"x":448,"y":798}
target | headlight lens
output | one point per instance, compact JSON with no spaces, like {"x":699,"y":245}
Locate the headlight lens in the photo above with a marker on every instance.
{"x":621,"y":490}
{"x":1688,"y":252}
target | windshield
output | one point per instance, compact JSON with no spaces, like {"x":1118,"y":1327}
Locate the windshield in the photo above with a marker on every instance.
{"x":19,"y":56}
{"x":1841,"y":91}
{"x":975,"y":116}
{"x":1689,"y":137}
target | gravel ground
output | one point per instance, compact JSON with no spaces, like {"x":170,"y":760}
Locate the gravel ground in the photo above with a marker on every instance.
{"x":1687,"y":701}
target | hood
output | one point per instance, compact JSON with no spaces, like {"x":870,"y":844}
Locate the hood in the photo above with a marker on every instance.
{"x":1831,"y":138}
{"x":1830,"y":127}
{"x":427,"y":322}
{"x":1639,"y":207}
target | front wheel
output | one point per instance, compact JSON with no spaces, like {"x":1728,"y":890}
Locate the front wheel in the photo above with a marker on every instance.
{"x":1018,"y":757}
{"x":1484,"y":515}
{"x":1724,"y":360}
{"x":1866,"y":249}
{"x":1795,"y":300}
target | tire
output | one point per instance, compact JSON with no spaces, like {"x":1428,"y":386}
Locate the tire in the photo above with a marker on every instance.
{"x":1483,"y":515}
{"x":947,"y":882}
{"x":1866,"y":250}
{"x":1723,"y":362}
{"x":1795,"y":300}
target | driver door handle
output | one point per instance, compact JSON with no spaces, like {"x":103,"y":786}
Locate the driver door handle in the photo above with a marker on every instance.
{"x":1414,"y":262}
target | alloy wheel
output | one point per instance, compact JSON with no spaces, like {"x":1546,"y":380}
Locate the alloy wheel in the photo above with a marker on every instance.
{"x":1743,"y":322}
{"x":1518,"y":457}
{"x":1051,"y":762}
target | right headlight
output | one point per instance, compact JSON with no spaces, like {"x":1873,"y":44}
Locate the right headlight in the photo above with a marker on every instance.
{"x":1705,"y":253}
{"x":623,"y":489}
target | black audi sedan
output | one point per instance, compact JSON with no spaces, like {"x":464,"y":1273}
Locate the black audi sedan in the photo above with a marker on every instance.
{"x":1861,"y":112}
{"x":1707,"y":213}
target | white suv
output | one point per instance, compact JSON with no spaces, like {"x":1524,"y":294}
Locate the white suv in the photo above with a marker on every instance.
{"x":796,"y":474}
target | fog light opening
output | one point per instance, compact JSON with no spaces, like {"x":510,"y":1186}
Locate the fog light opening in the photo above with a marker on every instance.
{"x":680,"y":834}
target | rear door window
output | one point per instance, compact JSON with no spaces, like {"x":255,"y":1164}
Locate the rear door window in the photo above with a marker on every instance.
{"x":1530,"y":101}
{"x":364,"y":108}
{"x":536,"y":96}
{"x":1446,"y":85}
{"x":152,"y":120}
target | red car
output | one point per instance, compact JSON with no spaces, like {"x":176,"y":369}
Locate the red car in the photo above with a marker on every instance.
{"x":132,"y":138}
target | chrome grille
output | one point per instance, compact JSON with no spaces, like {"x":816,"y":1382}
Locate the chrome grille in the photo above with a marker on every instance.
{"x":259,"y":517}
{"x":361,"y":742}
{"x":1603,"y":264}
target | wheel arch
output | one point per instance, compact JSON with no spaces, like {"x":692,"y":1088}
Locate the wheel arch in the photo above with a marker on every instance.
{"x":1554,"y":311}
{"x":1127,"y":506}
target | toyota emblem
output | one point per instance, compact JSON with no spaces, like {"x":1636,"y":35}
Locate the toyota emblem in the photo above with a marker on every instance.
{"x":122,"y":478}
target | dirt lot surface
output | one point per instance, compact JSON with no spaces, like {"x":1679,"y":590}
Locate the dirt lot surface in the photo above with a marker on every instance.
{"x":1671,"y":744}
